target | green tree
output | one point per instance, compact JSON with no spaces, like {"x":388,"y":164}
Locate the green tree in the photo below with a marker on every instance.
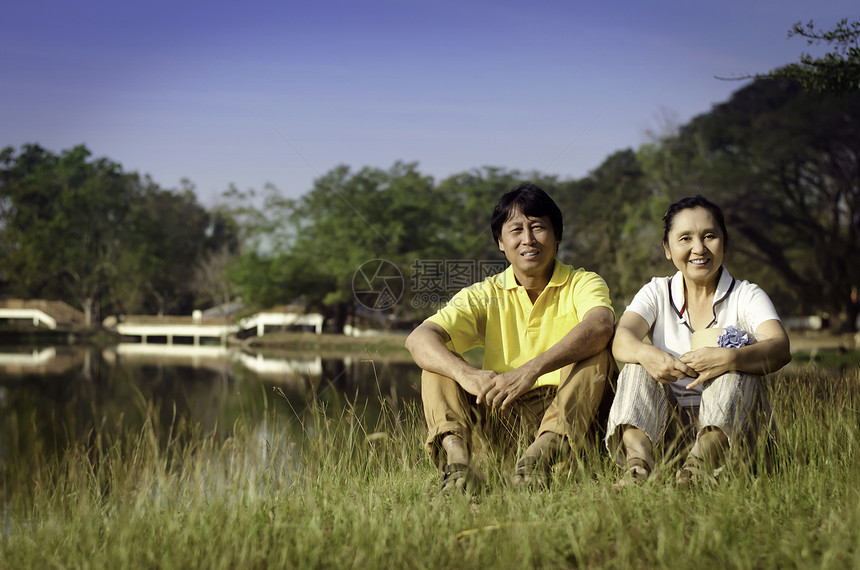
{"x":309,"y":250}
{"x":211,"y":284}
{"x":82,"y":229}
{"x":62,"y":223}
{"x":612,"y":224}
{"x":169,"y":236}
{"x":469,"y":200}
{"x":785,"y":166}
{"x":838,"y":71}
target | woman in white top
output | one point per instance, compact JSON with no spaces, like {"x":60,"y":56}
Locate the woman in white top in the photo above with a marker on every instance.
{"x":715,"y":385}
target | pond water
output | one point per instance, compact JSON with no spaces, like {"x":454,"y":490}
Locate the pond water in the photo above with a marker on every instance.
{"x":57,"y":395}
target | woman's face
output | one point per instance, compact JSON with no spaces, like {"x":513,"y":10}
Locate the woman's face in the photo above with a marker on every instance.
{"x":696,"y":245}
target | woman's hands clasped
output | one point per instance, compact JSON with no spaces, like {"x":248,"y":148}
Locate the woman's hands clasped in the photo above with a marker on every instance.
{"x":708,"y":363}
{"x":662,"y":366}
{"x":700,"y":365}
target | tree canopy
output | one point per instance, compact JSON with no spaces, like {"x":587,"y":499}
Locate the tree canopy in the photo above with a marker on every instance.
{"x":82,"y":229}
{"x":785,"y":166}
{"x":783,"y":162}
{"x":838,"y":71}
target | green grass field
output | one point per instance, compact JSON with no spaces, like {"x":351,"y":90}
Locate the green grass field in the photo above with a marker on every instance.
{"x":349,"y":488}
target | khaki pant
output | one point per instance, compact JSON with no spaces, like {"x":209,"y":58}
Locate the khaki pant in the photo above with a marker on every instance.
{"x":568,"y":409}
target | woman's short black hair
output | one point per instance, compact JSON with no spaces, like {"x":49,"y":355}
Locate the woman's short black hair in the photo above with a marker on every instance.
{"x":532,"y":201}
{"x":697,"y":201}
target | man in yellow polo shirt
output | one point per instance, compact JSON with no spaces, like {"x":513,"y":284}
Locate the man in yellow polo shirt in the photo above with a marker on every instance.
{"x":544,"y":327}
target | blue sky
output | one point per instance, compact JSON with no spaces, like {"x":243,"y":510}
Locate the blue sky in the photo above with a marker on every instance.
{"x":281,"y":92}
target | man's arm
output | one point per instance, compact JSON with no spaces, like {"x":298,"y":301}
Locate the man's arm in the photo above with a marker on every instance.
{"x":427,"y":345}
{"x":583,"y":341}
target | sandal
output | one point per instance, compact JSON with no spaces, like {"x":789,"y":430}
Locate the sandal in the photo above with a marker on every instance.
{"x":636,"y":474}
{"x":537,"y":471}
{"x":692,"y":473}
{"x":452,"y":474}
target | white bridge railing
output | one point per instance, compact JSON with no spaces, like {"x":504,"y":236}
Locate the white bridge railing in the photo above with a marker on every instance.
{"x":36,"y":315}
{"x":196,"y":327}
{"x":280,"y":319}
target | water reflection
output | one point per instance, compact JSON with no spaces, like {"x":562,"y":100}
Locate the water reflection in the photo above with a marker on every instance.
{"x":56,"y":396}
{"x":40,"y":360}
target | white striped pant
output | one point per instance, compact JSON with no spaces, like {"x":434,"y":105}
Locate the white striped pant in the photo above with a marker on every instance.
{"x":642,"y":402}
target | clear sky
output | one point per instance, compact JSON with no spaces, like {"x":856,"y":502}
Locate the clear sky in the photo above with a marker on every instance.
{"x":255,"y":92}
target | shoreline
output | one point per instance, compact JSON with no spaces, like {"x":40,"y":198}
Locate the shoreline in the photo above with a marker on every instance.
{"x":387,"y":342}
{"x":385,"y":346}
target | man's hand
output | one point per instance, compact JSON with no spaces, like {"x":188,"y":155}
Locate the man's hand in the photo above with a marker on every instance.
{"x":503,"y":389}
{"x":476,"y":381}
{"x":583,"y":341}
{"x":708,"y":362}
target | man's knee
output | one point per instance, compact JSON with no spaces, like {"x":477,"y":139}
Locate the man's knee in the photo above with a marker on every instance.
{"x":593,"y":373}
{"x":437,"y":384}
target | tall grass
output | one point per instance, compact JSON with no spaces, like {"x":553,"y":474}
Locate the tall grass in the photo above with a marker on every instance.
{"x":349,"y":486}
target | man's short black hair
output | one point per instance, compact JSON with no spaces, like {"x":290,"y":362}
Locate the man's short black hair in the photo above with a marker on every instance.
{"x":532,"y":201}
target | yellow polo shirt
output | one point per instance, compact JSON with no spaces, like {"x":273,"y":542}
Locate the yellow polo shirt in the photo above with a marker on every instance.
{"x":497,"y":314}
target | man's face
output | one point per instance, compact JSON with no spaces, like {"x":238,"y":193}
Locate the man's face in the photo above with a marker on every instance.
{"x":529,"y":244}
